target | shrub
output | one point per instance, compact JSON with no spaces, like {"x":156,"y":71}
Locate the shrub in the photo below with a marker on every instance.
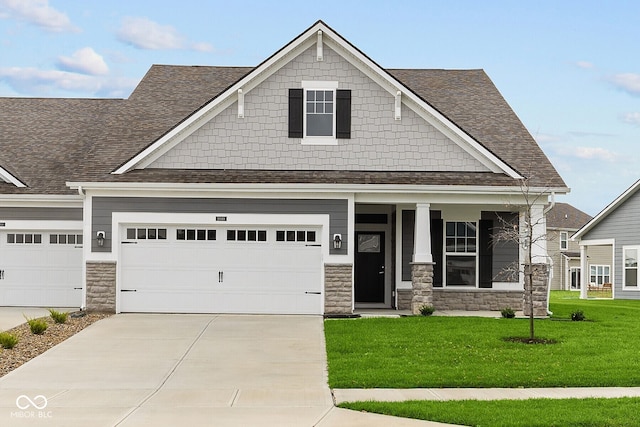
{"x":577,"y":315}
{"x":37,"y":326}
{"x":427,"y":310}
{"x":508,"y":313}
{"x":57,"y":316}
{"x":8,"y":340}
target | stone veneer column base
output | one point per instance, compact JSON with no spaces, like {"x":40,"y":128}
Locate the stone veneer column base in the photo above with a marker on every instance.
{"x":540,"y":283}
{"x":101,"y":286}
{"x":338,"y":289}
{"x":422,"y":284}
{"x":405,"y":296}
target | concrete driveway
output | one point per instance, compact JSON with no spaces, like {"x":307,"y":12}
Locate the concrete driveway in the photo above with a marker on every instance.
{"x":192,"y":370}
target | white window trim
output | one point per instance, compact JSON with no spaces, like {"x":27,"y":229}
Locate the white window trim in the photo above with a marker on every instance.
{"x":624,"y":270}
{"x":469,"y":254}
{"x":564,"y":243}
{"x":318,"y":85}
{"x":596,"y":266}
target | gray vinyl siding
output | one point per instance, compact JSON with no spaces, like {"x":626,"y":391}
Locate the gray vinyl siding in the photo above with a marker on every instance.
{"x":103,"y":208}
{"x":623,"y":225}
{"x":40,"y":214}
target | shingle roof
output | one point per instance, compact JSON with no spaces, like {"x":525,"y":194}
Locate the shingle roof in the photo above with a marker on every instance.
{"x":565,"y":216}
{"x":50,"y":141}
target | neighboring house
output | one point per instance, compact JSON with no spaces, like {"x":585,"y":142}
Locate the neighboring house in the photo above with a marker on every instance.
{"x":563,"y":220}
{"x":614,"y":233}
{"x":317,"y":182}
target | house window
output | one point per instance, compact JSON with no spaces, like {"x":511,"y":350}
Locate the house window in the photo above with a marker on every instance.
{"x":461,"y":253}
{"x":319,"y":113}
{"x":630,"y":274}
{"x":575,"y":278}
{"x":564,"y":240}
{"x":599,"y":274}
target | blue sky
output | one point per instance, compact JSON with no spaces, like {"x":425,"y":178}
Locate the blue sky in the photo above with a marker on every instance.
{"x":569,"y":68}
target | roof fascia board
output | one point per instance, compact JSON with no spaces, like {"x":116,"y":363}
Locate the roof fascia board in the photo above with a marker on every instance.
{"x":10,"y":179}
{"x":363,"y":63}
{"x":297,"y":187}
{"x":607,"y":210}
{"x":33,"y":200}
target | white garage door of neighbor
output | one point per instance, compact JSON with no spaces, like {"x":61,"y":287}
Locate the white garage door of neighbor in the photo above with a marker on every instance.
{"x":221,"y":270}
{"x":41,"y":269}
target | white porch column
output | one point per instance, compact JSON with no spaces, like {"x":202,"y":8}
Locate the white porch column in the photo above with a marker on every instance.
{"x":422,"y":234}
{"x":539,"y":248}
{"x":584,"y":272}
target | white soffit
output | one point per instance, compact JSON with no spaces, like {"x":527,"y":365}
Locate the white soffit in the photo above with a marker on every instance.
{"x":283,"y":56}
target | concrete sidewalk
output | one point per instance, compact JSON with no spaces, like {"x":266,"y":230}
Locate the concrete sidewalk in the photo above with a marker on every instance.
{"x":400,"y":395}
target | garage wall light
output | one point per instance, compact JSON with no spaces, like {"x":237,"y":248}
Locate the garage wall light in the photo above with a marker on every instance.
{"x":337,"y":241}
{"x":100,"y":236}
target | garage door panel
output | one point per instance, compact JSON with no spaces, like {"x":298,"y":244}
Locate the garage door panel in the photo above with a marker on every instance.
{"x":41,"y":274}
{"x":221,"y":276}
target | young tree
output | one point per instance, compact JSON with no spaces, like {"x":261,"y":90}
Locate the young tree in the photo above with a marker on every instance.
{"x":530,"y":233}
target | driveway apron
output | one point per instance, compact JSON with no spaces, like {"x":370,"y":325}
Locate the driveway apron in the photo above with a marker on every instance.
{"x":156,"y":370}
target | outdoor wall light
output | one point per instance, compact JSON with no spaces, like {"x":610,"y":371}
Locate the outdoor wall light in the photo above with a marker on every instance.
{"x":100,"y":236}
{"x":337,"y":241}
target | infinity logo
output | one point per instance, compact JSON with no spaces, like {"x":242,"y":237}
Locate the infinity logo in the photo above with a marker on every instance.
{"x":20,"y":402}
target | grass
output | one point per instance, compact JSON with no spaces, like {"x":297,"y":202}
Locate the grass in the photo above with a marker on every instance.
{"x":515,"y":413}
{"x":470,"y":352}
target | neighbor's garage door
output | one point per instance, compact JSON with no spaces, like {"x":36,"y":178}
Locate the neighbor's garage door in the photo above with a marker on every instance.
{"x":221,"y":270}
{"x":42,"y":268}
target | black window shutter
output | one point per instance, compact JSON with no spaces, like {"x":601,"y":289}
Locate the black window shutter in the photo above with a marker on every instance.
{"x":343,"y":114}
{"x":436,"y":251}
{"x":485,"y":253}
{"x":295,"y":113}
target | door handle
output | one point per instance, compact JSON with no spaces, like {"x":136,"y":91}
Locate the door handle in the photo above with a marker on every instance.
{"x":220,"y":276}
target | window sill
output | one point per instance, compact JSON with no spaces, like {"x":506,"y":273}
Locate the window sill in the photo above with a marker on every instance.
{"x":319,"y":141}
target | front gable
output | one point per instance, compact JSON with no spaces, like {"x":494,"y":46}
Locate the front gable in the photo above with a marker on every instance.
{"x":376,"y":142}
{"x":245,"y":127}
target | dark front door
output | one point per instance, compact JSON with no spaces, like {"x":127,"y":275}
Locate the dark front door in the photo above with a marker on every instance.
{"x":369,"y":270}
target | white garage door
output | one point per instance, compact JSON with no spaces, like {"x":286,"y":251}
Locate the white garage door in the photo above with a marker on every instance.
{"x":42,"y":268}
{"x":221,"y":270}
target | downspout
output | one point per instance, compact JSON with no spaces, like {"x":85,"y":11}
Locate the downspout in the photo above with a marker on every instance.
{"x":83,"y":306}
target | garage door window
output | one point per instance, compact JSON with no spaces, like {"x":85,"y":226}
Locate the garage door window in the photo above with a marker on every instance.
{"x":24,"y":238}
{"x":184,"y":234}
{"x":146,"y":233}
{"x":295,"y":236}
{"x":247,"y":235}
{"x":65,"y":239}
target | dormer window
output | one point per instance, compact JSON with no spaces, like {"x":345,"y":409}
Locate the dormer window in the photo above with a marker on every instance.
{"x":319,"y":113}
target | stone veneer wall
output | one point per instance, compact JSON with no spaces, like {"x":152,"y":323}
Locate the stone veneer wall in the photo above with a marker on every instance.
{"x":422,"y":284}
{"x":338,"y":287}
{"x":101,"y":286}
{"x":404,"y":299}
{"x":476,"y":299}
{"x":540,"y":283}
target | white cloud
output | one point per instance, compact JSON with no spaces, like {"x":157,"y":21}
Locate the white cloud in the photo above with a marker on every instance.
{"x":628,"y":82}
{"x":584,"y":64}
{"x":85,"y":61}
{"x":36,"y":82}
{"x":597,"y":153}
{"x":631,"y":118}
{"x":37,"y":12}
{"x":143,"y":33}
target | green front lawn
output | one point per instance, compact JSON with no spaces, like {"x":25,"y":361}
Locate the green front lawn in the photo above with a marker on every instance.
{"x":470,"y":352}
{"x":515,"y":413}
